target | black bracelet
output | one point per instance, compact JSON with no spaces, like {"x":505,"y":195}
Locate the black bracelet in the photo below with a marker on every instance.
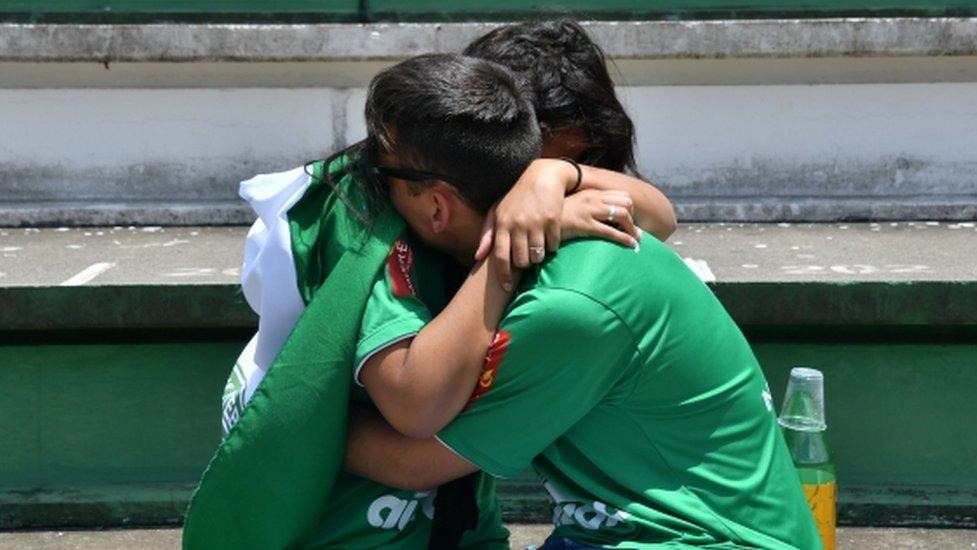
{"x":579,"y":175}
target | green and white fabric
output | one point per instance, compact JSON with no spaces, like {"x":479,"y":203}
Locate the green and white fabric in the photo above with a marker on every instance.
{"x":625,"y":384}
{"x":303,"y":236}
{"x":365,"y":514}
{"x":268,"y":281}
{"x":272,"y":475}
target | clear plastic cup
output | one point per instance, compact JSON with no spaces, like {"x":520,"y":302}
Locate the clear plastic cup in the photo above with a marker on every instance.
{"x":803,"y":408}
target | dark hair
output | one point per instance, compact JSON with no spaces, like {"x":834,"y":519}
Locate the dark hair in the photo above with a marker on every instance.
{"x":462,"y":117}
{"x":567,"y":74}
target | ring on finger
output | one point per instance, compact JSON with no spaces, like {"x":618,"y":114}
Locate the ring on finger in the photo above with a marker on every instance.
{"x":611,"y":213}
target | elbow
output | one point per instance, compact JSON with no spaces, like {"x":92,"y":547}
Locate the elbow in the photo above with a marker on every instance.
{"x":418,"y":430}
{"x":669,"y":227}
{"x":415,"y":424}
{"x":667,"y":224}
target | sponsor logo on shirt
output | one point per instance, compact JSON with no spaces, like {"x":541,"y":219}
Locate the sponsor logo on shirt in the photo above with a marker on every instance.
{"x":400,"y":264}
{"x":589,"y":516}
{"x":593,"y":516}
{"x":491,"y":367}
{"x":393,"y":512}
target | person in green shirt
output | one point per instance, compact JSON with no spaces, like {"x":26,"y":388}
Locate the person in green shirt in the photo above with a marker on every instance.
{"x":573,"y":69}
{"x":409,"y":290}
{"x":614,"y":372}
{"x":362,"y":513}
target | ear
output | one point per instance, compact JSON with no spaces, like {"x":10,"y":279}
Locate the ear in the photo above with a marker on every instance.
{"x":444,"y":208}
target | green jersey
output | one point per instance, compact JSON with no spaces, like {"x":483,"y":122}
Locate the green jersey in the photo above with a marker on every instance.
{"x":365,"y":514}
{"x":623,"y":381}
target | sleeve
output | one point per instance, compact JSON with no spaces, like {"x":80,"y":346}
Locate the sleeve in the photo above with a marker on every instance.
{"x":394,"y":311}
{"x":556,"y":355}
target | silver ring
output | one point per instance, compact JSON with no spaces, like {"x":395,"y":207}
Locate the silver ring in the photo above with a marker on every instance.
{"x":612,"y":213}
{"x":537,"y":251}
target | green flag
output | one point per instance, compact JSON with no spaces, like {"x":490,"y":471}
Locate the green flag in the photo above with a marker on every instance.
{"x":271,"y":476}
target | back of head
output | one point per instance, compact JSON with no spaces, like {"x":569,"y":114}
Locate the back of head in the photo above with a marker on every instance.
{"x":567,"y":74}
{"x":462,"y":117}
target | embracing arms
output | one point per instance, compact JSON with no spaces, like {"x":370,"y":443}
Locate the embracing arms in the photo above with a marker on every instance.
{"x":422,"y":383}
{"x":537,"y":212}
{"x":419,"y":385}
{"x":376,"y":451}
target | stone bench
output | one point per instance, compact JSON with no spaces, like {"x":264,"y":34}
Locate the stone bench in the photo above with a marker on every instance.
{"x":115,"y":344}
{"x":738,"y":120}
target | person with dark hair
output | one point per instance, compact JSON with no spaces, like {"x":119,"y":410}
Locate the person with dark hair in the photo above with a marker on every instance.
{"x":580,"y":118}
{"x":453,"y":128}
{"x":572,"y":92}
{"x":615,"y":373}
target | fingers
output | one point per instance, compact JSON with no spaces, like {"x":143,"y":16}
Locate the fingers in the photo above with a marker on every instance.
{"x":614,"y":234}
{"x":488,"y":234}
{"x":553,"y":236}
{"x":485,"y":242}
{"x":501,"y":254}
{"x":520,"y":250}
{"x":537,"y":247}
{"x":623,"y":209}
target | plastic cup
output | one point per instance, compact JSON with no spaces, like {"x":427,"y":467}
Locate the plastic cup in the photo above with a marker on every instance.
{"x":803,"y":408}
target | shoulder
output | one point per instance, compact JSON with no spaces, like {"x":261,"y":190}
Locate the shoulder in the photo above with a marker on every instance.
{"x":609,"y":272}
{"x":561,"y":313}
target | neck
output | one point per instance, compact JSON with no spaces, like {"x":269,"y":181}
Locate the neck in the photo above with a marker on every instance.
{"x":463,"y":242}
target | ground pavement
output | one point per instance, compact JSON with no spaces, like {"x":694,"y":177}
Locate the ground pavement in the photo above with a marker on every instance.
{"x":849,"y":538}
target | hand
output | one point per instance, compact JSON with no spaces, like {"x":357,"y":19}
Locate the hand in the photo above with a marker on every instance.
{"x":587,"y":214}
{"x":525,"y":224}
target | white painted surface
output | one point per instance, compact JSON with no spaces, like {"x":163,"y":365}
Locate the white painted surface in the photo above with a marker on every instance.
{"x":781,"y":140}
{"x":89,"y":128}
{"x":701,"y":270}
{"x":851,"y":140}
{"x":88,"y":274}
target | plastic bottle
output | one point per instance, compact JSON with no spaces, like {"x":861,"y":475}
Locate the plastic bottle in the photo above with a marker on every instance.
{"x":802,"y":420}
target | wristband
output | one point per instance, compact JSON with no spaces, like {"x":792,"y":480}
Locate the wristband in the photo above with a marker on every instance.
{"x":579,"y":175}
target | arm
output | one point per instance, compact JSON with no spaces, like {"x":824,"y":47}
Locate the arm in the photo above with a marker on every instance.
{"x":531,"y":395}
{"x":530,"y":215}
{"x":653,"y":212}
{"x":419,"y":385}
{"x":376,"y":451}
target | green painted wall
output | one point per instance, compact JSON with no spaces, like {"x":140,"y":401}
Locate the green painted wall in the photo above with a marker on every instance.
{"x":105,"y":432}
{"x":102,"y":414}
{"x":446,"y":10}
{"x":895,"y":410}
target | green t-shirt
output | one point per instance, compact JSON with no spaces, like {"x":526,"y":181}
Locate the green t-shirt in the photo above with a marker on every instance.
{"x":623,"y":381}
{"x":365,"y":514}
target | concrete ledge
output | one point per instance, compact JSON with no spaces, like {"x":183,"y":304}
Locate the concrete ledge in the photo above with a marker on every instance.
{"x":523,"y":500}
{"x":236,"y":212}
{"x":367,"y":42}
{"x":885,"y":310}
{"x":101,"y":213}
{"x":522,"y":536}
{"x":915,"y":275}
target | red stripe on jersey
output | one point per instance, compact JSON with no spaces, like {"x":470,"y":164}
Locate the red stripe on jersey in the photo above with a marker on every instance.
{"x":493,"y":359}
{"x":400,"y":264}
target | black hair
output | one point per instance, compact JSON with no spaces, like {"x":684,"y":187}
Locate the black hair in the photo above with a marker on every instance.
{"x":567,"y":75}
{"x":462,"y":117}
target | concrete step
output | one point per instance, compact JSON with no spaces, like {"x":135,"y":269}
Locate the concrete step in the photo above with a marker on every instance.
{"x":522,"y":536}
{"x":756,"y":120}
{"x":115,"y":344}
{"x":758,"y":268}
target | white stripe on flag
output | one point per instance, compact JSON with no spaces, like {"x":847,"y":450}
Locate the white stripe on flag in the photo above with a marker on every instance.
{"x":701,"y":269}
{"x":88,"y":274}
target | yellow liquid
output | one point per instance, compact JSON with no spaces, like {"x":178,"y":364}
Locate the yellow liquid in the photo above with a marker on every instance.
{"x":822,"y":499}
